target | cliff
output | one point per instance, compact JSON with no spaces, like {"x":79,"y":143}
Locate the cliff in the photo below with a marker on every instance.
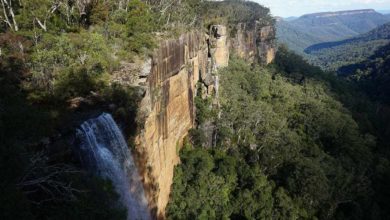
{"x":254,"y":44}
{"x":167,"y":111}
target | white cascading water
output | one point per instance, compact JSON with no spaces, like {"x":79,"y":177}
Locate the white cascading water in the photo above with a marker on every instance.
{"x":104,"y":151}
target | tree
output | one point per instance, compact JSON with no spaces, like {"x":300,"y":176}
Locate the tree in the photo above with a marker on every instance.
{"x":9,"y":14}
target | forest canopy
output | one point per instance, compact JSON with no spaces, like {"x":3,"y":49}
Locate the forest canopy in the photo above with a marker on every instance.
{"x":290,"y":141}
{"x":286,"y":148}
{"x":57,"y":59}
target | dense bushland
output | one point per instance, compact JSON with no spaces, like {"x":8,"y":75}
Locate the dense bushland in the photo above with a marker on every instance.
{"x":334,"y":55}
{"x":373,"y":77}
{"x":57,"y":59}
{"x":311,"y":29}
{"x":286,"y":148}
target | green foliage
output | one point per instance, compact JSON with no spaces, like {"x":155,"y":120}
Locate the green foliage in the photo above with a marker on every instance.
{"x":204,"y":110}
{"x":212,"y":184}
{"x":297,"y":39}
{"x":126,"y":101}
{"x":286,"y":147}
{"x":361,"y":108}
{"x":311,"y":29}
{"x":372,"y":74}
{"x":292,"y":150}
{"x":69,"y":65}
{"x":41,"y":69}
{"x":335,"y":55}
{"x":140,"y":24}
{"x":232,"y":12}
{"x":22,"y":127}
{"x":178,"y":16}
{"x":99,"y":13}
{"x":201,"y":193}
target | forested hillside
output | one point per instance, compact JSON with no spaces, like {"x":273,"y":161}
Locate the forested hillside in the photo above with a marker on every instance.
{"x":58,"y":66}
{"x":283,"y":141}
{"x":327,"y":27}
{"x":373,"y":75}
{"x":297,"y":39}
{"x":56,"y":63}
{"x":291,"y":143}
{"x":333,"y":55}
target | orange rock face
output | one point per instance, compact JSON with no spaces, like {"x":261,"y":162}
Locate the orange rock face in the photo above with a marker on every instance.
{"x":168,"y":109}
{"x":255,"y":44}
{"x":219,"y":46}
{"x":266,"y":44}
{"x":244,"y":42}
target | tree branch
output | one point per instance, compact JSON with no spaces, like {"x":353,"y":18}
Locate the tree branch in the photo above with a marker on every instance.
{"x":6,"y":19}
{"x":49,"y":180}
{"x":42,"y":25}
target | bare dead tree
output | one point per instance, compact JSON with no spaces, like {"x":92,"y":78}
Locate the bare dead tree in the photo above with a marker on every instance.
{"x":8,"y":13}
{"x":49,"y":14}
{"x":48,"y":179}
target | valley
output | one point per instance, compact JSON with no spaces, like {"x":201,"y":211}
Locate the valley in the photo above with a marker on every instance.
{"x":312,"y":29}
{"x":191,"y":109}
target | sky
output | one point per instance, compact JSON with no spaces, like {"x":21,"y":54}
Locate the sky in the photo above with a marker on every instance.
{"x":287,"y":8}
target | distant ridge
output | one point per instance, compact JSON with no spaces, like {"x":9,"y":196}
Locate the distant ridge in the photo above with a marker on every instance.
{"x":316,"y":28}
{"x":339,"y":13}
{"x":291,"y":18}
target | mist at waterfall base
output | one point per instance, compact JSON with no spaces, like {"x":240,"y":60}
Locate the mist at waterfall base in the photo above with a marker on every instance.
{"x":103,"y":151}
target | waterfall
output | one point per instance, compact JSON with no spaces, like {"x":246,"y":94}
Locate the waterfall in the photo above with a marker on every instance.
{"x":103,"y":150}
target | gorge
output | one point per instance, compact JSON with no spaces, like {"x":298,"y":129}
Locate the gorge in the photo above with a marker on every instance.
{"x":166,"y":109}
{"x":178,"y":68}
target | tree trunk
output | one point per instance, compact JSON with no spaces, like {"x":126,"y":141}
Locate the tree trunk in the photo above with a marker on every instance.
{"x":42,"y":25}
{"x":6,"y":19}
{"x":11,"y":11}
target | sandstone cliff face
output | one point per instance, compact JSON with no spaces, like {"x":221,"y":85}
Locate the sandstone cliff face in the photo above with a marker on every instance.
{"x":244,"y":42}
{"x":167,"y":111}
{"x":266,"y":46}
{"x":255,"y":44}
{"x":219,"y":46}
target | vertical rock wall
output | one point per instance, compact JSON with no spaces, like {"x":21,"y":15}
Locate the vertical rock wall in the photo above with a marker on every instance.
{"x":266,"y":44}
{"x":244,"y":42}
{"x":219,"y":46}
{"x":255,"y":44}
{"x":167,"y":111}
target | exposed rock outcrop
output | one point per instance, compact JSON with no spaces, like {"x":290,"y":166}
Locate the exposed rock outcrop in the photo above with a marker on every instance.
{"x":244,"y":42}
{"x":167,"y":111}
{"x":256,"y":44}
{"x":219,"y":45}
{"x":266,"y":44}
